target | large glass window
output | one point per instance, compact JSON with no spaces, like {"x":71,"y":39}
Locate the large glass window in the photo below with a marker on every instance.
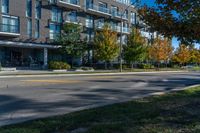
{"x":54,"y":30}
{"x":38,"y":9}
{"x":10,"y":24}
{"x":29,"y":28}
{"x":28,"y":8}
{"x":37,"y":29}
{"x":56,"y":15}
{"x":4,"y":6}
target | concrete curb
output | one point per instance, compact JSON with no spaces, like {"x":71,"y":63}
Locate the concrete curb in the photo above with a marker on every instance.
{"x":83,"y":74}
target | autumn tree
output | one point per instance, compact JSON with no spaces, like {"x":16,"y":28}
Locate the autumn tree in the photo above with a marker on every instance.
{"x":106,"y":45}
{"x":71,"y":42}
{"x":194,"y":55}
{"x":179,"y":18}
{"x":160,"y":50}
{"x":135,"y":50}
{"x":182,"y":54}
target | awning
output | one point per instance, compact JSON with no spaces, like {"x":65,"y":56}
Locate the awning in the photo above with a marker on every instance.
{"x":27,"y":45}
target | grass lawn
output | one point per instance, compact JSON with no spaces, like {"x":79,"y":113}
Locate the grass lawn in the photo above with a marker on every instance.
{"x":171,"y":113}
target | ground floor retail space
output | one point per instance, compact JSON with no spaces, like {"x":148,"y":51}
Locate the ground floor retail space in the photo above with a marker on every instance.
{"x":23,"y":57}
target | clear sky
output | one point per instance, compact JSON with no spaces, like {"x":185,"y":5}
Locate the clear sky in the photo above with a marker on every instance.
{"x":152,"y":3}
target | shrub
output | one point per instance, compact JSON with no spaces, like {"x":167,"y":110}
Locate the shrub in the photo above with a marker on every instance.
{"x":87,"y":68}
{"x":58,"y":65}
{"x":0,"y":66}
{"x":146,"y":66}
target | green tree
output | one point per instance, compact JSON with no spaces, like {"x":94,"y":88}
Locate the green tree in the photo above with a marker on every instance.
{"x":106,"y":45}
{"x":178,"y":18}
{"x":71,"y":41}
{"x":135,"y":50}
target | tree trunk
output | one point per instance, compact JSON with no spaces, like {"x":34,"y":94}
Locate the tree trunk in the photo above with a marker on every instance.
{"x":106,"y":65}
{"x":132,"y":64}
{"x":72,"y":62}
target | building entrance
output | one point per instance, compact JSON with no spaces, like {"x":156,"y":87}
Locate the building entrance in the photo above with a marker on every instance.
{"x":16,"y":58}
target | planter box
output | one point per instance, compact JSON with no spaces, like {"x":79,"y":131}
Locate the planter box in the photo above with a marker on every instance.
{"x":60,"y":70}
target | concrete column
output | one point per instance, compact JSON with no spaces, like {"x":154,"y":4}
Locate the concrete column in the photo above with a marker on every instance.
{"x":45,"y":65}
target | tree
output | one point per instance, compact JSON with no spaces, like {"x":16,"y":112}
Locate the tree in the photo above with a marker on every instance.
{"x":182,"y":55}
{"x":106,"y":45}
{"x":135,"y":50}
{"x":194,"y":55}
{"x":160,"y":50}
{"x":71,"y":42}
{"x":179,"y":18}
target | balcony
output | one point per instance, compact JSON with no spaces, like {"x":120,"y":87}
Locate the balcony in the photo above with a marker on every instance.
{"x":69,"y":4}
{"x":100,"y":25}
{"x":9,"y":30}
{"x":73,"y":20}
{"x":116,"y":28}
{"x":116,"y":15}
{"x":53,"y":36}
{"x":126,"y":30}
{"x":98,"y":10}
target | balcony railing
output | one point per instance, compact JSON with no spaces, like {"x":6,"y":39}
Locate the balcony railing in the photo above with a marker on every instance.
{"x":99,"y":9}
{"x":116,"y":14}
{"x":71,"y":2}
{"x":116,"y":28}
{"x":52,"y":1}
{"x":53,"y":36}
{"x":73,"y":20}
{"x":126,"y":30}
{"x":100,"y":25}
{"x":7,"y":28}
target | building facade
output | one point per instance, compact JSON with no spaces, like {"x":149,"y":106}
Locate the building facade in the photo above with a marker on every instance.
{"x":28,"y":27}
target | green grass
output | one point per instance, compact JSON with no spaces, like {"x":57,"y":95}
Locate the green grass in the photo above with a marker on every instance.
{"x":171,"y":113}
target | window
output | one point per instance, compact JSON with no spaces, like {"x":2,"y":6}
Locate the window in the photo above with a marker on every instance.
{"x":37,"y":29}
{"x":89,"y":21}
{"x":127,"y":2}
{"x":72,"y":16}
{"x":56,"y":15}
{"x":89,"y":3}
{"x":115,"y":11}
{"x":38,"y":9}
{"x":133,"y":18}
{"x":29,"y":28}
{"x":54,"y":30}
{"x":100,"y":23}
{"x":10,"y":24}
{"x":4,"y":6}
{"x":103,"y":7}
{"x":28,"y":8}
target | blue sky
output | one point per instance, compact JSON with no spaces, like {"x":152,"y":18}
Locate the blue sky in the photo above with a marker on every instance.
{"x":152,"y":3}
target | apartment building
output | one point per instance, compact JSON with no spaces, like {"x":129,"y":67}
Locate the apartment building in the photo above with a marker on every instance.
{"x":28,"y":27}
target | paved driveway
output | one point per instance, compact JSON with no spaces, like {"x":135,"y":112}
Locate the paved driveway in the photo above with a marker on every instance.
{"x":28,"y":98}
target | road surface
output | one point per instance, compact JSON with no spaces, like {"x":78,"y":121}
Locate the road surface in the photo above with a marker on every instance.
{"x":26,"y":98}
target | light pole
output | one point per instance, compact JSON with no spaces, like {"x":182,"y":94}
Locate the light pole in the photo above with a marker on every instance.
{"x":121,"y":32}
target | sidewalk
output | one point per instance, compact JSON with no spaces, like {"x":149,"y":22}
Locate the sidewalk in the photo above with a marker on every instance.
{"x":44,"y":73}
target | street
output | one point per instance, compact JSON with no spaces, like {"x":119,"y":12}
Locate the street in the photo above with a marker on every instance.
{"x":26,"y":98}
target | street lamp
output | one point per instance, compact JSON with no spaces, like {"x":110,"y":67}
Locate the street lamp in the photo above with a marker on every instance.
{"x":121,"y":31}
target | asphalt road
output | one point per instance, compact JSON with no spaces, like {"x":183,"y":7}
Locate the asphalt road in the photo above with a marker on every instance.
{"x":25,"y":98}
